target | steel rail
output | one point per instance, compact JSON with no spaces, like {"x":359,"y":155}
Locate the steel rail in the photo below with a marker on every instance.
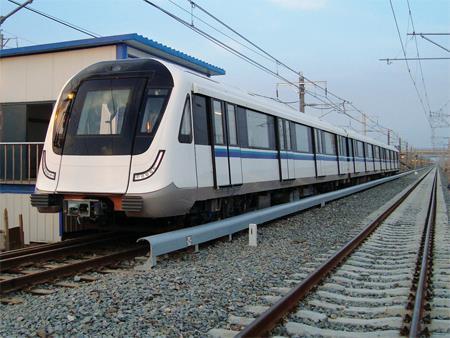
{"x":51,"y":246}
{"x":20,"y":282}
{"x":262,"y":325}
{"x":14,"y":262}
{"x":416,"y":327}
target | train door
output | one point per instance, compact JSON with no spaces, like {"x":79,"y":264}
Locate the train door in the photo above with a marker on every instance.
{"x":287,"y":165}
{"x":220,"y":149}
{"x":234,"y":150}
{"x":289,"y":146}
{"x":318,"y":143}
{"x":351,"y":155}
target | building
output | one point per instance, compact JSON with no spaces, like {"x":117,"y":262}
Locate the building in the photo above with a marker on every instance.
{"x":30,"y":81}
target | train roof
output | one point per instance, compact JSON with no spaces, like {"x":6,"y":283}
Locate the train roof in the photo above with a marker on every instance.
{"x":211,"y":87}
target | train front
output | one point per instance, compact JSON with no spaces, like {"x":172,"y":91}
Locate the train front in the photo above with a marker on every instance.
{"x":106,"y":116}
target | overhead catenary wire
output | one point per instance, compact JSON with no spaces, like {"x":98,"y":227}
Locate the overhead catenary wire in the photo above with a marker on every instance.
{"x":60,"y":21}
{"x":326,"y":99}
{"x":406,"y":61}
{"x":418,"y":56}
{"x":225,"y":46}
{"x":218,"y":30}
{"x":279,"y":62}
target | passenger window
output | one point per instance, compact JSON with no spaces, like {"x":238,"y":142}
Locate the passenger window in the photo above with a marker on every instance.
{"x":258,"y":129}
{"x":218,"y":123}
{"x":360,"y":148}
{"x":185,"y":134}
{"x":242,"y":130}
{"x":328,"y":143}
{"x":232,"y":130}
{"x":318,"y":137}
{"x":303,"y":138}
{"x":281,"y":134}
{"x":201,"y":134}
{"x":287,"y":131}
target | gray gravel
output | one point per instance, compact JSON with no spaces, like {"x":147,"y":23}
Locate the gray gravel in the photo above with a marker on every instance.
{"x":188,"y":294}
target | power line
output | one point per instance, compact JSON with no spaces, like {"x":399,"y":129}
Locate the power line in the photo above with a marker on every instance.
{"x":324,"y":99}
{"x":60,"y":21}
{"x":406,"y":61}
{"x":418,"y":56}
{"x":431,"y":41}
{"x":278,"y":62}
{"x":219,"y":31}
{"x":17,"y":36}
{"x":413,"y":59}
{"x":428,"y":33}
{"x":15,"y":10}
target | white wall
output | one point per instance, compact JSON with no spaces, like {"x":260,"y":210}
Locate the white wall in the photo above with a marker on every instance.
{"x":36,"y":227}
{"x":40,"y":77}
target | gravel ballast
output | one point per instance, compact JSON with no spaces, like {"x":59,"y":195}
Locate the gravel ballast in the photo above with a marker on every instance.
{"x":187,"y":294}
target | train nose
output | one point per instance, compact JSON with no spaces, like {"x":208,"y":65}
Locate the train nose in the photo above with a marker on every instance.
{"x":96,"y":174}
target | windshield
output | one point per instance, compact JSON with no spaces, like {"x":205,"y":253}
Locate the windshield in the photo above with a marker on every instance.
{"x":103,"y":112}
{"x":103,"y":117}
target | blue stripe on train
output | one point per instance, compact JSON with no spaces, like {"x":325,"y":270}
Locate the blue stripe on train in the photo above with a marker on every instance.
{"x":273,"y":154}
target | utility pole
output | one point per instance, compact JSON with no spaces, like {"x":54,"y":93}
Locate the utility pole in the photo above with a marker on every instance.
{"x":301,"y":92}
{"x":389,"y":137}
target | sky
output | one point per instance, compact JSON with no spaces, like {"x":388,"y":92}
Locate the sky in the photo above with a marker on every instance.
{"x":337,"y":41}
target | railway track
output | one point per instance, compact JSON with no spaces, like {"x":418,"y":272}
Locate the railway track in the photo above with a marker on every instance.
{"x":28,"y":267}
{"x":392,"y":279}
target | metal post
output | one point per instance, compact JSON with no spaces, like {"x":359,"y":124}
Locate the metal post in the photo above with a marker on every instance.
{"x":21,"y":234}
{"x":6,"y":228}
{"x":301,"y":92}
{"x":389,"y":137}
{"x":252,"y":235}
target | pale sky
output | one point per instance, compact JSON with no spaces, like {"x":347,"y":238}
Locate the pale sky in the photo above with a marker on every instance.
{"x":339,"y":41}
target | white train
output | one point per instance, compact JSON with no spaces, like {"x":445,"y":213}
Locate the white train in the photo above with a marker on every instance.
{"x":152,"y":139}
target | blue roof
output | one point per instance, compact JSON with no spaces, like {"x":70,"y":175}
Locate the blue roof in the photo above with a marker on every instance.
{"x":133,"y":40}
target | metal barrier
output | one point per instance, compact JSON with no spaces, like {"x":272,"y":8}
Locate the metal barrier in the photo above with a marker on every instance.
{"x":179,"y":239}
{"x":20,"y":162}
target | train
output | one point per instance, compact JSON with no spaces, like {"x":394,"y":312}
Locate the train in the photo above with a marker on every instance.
{"x":150,"y":139}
